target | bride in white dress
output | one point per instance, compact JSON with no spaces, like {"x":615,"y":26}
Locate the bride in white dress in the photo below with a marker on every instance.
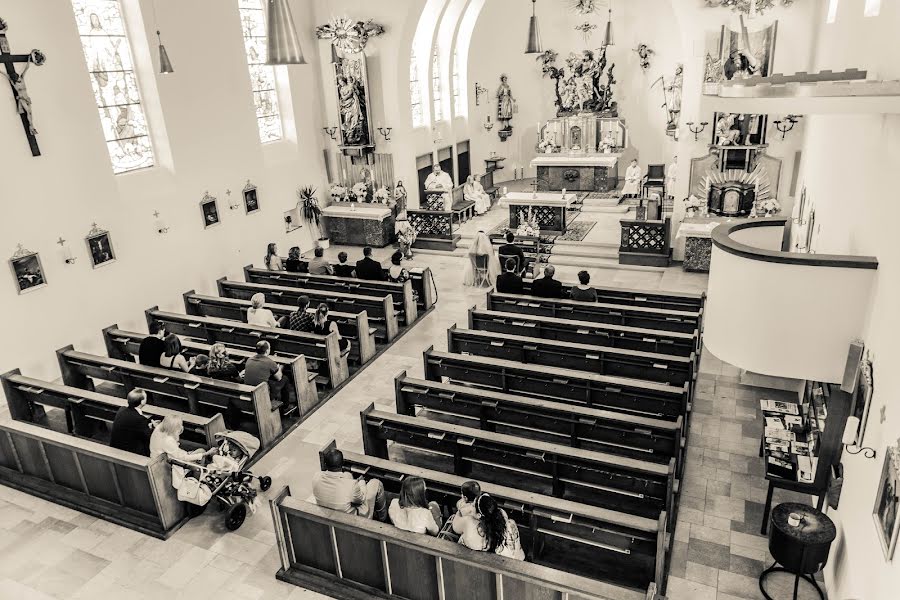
{"x":482,"y":246}
{"x":473,"y":191}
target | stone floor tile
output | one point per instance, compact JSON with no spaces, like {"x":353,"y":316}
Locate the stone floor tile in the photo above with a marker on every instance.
{"x":702,"y":574}
{"x":709,"y":534}
{"x":709,"y":554}
{"x":683,"y":589}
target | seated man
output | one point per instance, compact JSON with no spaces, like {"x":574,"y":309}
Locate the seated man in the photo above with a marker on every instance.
{"x":152,"y":346}
{"x":511,"y":249}
{"x":509,"y":281}
{"x":369,"y":268}
{"x":131,"y":430}
{"x":439,"y":180}
{"x":337,"y":490}
{"x":260,"y":368}
{"x":318,"y":265}
{"x":546,"y":286}
{"x":342,"y":269}
{"x":300,"y":319}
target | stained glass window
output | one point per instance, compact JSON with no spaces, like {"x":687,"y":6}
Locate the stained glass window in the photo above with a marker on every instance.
{"x":108,"y":56}
{"x":436,"y":88}
{"x":415,"y":92}
{"x":457,"y":105}
{"x":831,"y":17}
{"x":262,"y":76}
{"x":872,"y":8}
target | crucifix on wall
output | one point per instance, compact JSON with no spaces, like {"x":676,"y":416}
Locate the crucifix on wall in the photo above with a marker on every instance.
{"x":17,"y":84}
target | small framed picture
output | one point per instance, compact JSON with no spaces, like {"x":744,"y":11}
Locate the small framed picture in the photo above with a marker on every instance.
{"x":100,"y":247}
{"x":27,"y":270}
{"x":886,"y":513}
{"x":251,"y":198}
{"x":209,"y":206}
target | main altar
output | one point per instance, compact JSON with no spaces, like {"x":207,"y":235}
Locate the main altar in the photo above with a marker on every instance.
{"x":546,"y":209}
{"x":356,"y":224}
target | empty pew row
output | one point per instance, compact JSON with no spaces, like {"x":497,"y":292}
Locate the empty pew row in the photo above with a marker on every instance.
{"x":616,"y":314}
{"x":615,"y":295}
{"x":401,"y":293}
{"x":647,"y":366}
{"x":348,"y":557}
{"x":320,"y":348}
{"x":632,"y":396}
{"x":174,"y":389}
{"x":380,"y":310}
{"x":124,"y":345}
{"x":421,"y":278}
{"x":352,"y":326}
{"x":586,"y":332}
{"x":84,"y":409}
{"x":578,"y":426}
{"x":121,"y":487}
{"x":619,"y":483}
{"x":620,"y":548}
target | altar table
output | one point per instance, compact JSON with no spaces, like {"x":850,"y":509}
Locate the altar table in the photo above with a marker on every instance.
{"x":579,"y":172}
{"x":359,"y":224}
{"x":548,"y":208}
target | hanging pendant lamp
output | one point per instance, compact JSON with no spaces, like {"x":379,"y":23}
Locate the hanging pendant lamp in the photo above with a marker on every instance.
{"x":534,"y":33}
{"x":165,"y":65}
{"x":283,"y":46}
{"x":608,"y":38}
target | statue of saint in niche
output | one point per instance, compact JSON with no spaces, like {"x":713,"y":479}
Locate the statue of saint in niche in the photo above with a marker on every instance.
{"x":506,"y":104}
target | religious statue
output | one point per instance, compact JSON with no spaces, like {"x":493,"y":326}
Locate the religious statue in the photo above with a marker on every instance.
{"x":726,"y":135}
{"x":352,"y":98}
{"x":16,"y":81}
{"x":351,"y":109}
{"x":672,"y":177}
{"x":644,"y":51}
{"x":506,"y":106}
{"x":400,"y":196}
{"x":578,"y":84}
{"x":23,"y":100}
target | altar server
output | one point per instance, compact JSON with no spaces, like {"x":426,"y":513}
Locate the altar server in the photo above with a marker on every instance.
{"x":632,"y":180}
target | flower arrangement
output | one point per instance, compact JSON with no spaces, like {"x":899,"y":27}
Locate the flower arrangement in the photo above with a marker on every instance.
{"x":546,"y":146}
{"x":771,"y":206}
{"x":338,"y":192}
{"x":382,"y":196}
{"x":360,"y":190}
{"x":693,"y":204}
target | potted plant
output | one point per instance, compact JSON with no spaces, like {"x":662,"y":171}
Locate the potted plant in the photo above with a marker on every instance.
{"x":312,"y":212}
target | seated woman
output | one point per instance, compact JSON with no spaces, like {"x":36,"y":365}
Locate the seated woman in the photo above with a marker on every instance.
{"x":324,"y":326}
{"x":583,"y":291}
{"x":482,"y":247}
{"x":412,"y":511}
{"x":272,"y":260}
{"x":172,"y":358}
{"x":257,"y":315}
{"x":406,"y":235}
{"x":396,"y":273}
{"x":165,"y":438}
{"x":473,"y":191}
{"x":489,"y":530}
{"x":293,"y":263}
{"x":220,"y":365}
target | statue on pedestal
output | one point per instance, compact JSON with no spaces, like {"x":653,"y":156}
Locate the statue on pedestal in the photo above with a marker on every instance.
{"x":506,"y":106}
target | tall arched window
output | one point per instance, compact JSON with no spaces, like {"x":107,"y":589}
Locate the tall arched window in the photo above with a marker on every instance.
{"x":415,"y":91}
{"x":831,"y":16}
{"x":108,"y":56}
{"x":262,"y":76}
{"x":872,"y":8}
{"x":437,"y":98}
{"x":454,"y":77}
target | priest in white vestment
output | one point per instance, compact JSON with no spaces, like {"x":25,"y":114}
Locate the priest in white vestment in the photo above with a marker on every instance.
{"x":473,"y":191}
{"x":632,"y":180}
{"x":671,"y":177}
{"x":439,"y":180}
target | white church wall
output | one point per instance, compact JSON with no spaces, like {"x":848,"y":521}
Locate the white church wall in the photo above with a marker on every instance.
{"x":211,"y":136}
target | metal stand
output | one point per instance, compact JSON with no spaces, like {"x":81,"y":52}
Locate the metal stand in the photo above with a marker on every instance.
{"x":797,"y":578}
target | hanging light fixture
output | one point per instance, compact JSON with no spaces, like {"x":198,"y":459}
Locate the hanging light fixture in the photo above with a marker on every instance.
{"x":165,"y":65}
{"x":534,"y":33}
{"x":608,"y":38}
{"x":283,"y":46}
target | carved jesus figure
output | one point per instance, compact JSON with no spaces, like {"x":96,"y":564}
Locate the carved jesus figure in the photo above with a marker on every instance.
{"x":23,"y":100}
{"x":351,"y":109}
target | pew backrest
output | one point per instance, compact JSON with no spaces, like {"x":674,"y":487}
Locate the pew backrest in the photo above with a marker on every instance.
{"x":685,"y":301}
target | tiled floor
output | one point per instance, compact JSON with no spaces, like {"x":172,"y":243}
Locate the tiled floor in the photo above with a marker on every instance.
{"x":47,"y":551}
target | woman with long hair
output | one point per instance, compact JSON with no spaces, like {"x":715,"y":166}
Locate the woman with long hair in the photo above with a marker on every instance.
{"x":481,"y":256}
{"x":172,"y":358}
{"x":294,"y":263}
{"x":322,"y":325}
{"x":166,"y":439}
{"x":220,"y":365}
{"x":396,"y":273}
{"x":489,"y":529}
{"x":273,"y":261}
{"x":412,"y":511}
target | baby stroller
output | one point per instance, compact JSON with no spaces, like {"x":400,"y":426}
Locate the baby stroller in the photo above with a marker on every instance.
{"x":224,"y":479}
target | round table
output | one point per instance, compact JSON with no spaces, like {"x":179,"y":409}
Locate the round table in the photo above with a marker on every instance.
{"x":802,"y":549}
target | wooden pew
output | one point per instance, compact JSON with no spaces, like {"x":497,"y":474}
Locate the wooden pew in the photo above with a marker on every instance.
{"x":321,"y":348}
{"x":349,"y":557}
{"x":655,"y":440}
{"x":586,"y":332}
{"x":614,"y":482}
{"x":632,"y":396}
{"x":594,"y":542}
{"x":121,"y":487}
{"x":124,"y":345}
{"x":616,"y":314}
{"x":530,"y":245}
{"x":401,"y":293}
{"x":85,"y":409}
{"x":190,"y":393}
{"x":352,"y":326}
{"x":648,"y":299}
{"x":381,"y":311}
{"x":647,"y":366}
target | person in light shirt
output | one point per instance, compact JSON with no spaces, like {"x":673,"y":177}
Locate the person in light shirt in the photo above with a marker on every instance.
{"x":438,"y":180}
{"x":632,"y":180}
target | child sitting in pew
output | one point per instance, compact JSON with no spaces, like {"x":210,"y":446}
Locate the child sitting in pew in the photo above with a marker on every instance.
{"x":465,"y":506}
{"x":412,"y":511}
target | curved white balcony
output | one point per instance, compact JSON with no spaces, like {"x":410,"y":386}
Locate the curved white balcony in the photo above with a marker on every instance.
{"x":780,"y":313}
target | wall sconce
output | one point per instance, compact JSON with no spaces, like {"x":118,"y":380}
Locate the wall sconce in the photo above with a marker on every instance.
{"x":386,"y":132}
{"x":161,"y":226}
{"x":849,"y":439}
{"x":698,"y":130}
{"x":330,"y":131}
{"x":436,"y":135}
{"x":487,"y":123}
{"x":789,"y":122}
{"x":68,"y":257}
{"x":232,"y":204}
{"x":479,"y":91}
